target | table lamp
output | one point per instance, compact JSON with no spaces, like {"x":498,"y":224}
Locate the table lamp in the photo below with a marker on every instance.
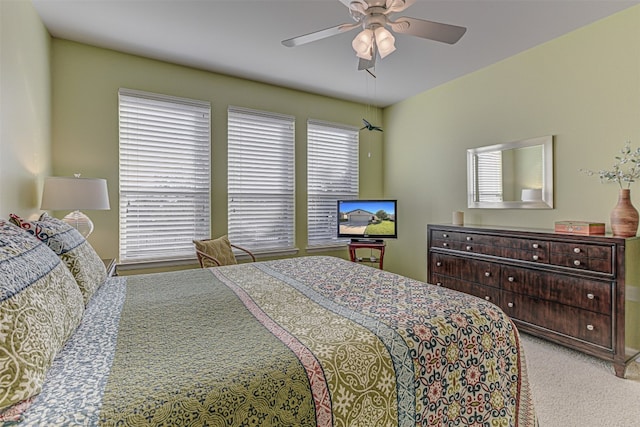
{"x":75,"y":193}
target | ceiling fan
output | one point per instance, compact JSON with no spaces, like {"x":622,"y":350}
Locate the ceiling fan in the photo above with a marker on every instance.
{"x":373,"y":17}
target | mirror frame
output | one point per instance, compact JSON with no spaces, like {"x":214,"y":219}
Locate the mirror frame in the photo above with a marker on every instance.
{"x":547,"y":175}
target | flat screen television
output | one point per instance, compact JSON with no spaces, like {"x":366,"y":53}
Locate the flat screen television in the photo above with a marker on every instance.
{"x":367,"y":220}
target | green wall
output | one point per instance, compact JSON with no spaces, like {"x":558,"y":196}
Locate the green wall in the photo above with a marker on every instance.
{"x":583,"y":88}
{"x":25,"y":108}
{"x":85,"y":126}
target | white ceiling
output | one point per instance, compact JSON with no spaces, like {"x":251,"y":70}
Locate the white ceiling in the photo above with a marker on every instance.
{"x":242,"y":38}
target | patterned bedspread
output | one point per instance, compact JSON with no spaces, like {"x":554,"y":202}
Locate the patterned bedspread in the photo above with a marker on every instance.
{"x":297,"y":342}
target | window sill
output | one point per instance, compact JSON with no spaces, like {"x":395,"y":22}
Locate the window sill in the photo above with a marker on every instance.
{"x":269,"y":253}
{"x":325,"y":248}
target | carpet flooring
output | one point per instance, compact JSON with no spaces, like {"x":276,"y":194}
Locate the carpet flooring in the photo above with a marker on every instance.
{"x":572,"y":389}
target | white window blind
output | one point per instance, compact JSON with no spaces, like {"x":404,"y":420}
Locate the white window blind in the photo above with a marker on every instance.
{"x":332,"y":174}
{"x":261,"y":177}
{"x":489,"y":176}
{"x":165,"y":175}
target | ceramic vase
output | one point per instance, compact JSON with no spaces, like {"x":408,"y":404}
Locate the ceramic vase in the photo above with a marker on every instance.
{"x":624,"y":217}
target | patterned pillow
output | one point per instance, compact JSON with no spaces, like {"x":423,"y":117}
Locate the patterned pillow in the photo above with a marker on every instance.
{"x":72,"y":248}
{"x":219,"y":248}
{"x":40,"y":308}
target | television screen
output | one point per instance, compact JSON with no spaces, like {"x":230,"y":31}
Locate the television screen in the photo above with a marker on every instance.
{"x":367,"y":219}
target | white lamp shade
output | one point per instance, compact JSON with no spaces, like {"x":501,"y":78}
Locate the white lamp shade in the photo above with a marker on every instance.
{"x":362,"y":44}
{"x":385,"y":41}
{"x":69,"y":193}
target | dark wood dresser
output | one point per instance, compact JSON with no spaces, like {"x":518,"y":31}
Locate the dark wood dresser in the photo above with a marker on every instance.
{"x":579,"y":291}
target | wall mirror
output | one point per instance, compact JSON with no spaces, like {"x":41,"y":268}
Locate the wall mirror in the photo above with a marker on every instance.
{"x":514,"y":175}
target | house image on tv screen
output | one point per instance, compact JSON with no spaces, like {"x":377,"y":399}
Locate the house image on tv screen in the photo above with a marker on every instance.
{"x":360,"y":217}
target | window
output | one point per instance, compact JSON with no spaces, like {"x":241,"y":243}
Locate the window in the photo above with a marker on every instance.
{"x":332,"y":174}
{"x":489,"y":176}
{"x":261,"y":177}
{"x":164,"y":176}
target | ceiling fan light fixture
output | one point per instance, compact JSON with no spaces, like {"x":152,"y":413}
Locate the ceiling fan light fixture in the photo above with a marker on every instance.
{"x":385,"y":41}
{"x":362,"y":44}
{"x":373,"y":16}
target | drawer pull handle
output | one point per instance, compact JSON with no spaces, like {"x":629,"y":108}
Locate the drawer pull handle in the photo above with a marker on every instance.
{"x":487,"y":273}
{"x":445,"y":245}
{"x":576,"y":250}
{"x":536,"y":246}
{"x":591,"y":296}
{"x":469,"y":238}
{"x":536,"y":257}
{"x":576,"y":262}
{"x":469,"y":247}
{"x":488,"y":298}
{"x":590,"y":327}
{"x":511,"y":279}
{"x":510,"y":305}
{"x":438,"y":264}
{"x":445,"y":235}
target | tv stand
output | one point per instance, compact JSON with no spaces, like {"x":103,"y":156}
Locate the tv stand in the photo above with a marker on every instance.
{"x":378,"y":245}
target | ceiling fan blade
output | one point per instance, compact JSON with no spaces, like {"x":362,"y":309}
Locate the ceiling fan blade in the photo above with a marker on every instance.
{"x":319,"y":35}
{"x":437,"y":31}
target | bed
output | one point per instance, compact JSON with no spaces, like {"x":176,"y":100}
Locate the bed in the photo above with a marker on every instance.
{"x":296,"y":342}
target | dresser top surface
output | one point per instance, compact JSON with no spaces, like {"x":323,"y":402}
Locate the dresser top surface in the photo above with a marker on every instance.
{"x":530,"y":231}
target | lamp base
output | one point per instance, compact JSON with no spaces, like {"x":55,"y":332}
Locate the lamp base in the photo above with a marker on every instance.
{"x":80,"y":222}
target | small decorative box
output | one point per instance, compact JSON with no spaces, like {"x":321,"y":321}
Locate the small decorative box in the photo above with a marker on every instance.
{"x":579,"y":227}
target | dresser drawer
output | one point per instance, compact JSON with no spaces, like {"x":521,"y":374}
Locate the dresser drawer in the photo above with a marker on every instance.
{"x":528,"y":245}
{"x":595,"y":328}
{"x":479,"y":248}
{"x":472,"y":270}
{"x":447,"y":236}
{"x":535,"y":255}
{"x":582,"y":262}
{"x":487,"y":293}
{"x":451,"y":244}
{"x":593,"y":295}
{"x":582,"y":256}
{"x":482,"y":244}
{"x":483,"y":272}
{"x":591,"y":251}
{"x":445,"y":265}
{"x":445,"y":281}
{"x":482,"y":239}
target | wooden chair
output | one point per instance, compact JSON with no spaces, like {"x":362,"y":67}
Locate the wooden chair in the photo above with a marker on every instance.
{"x":217,"y":252}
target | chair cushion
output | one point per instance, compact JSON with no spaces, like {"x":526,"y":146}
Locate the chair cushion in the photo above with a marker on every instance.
{"x":72,"y":248}
{"x":219,"y":248}
{"x":40,"y":308}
